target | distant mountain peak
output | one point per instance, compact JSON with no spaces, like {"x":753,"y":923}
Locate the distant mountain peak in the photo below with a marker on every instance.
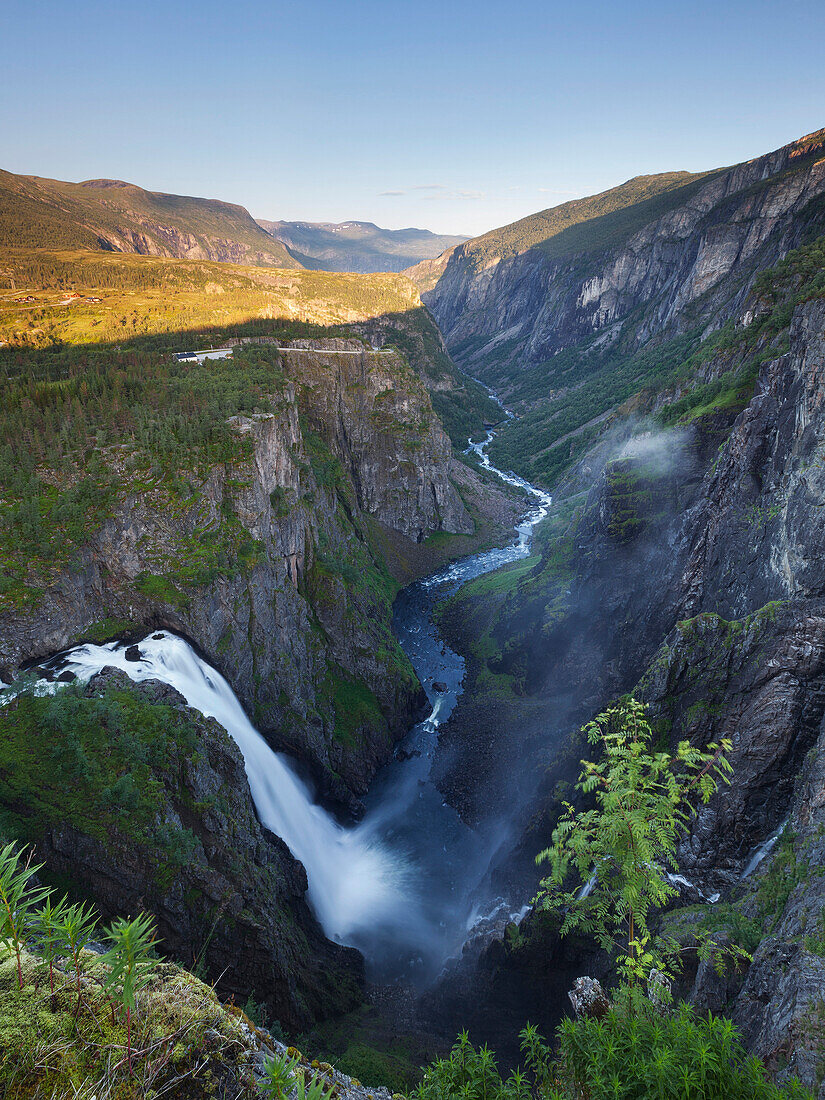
{"x":357,"y":245}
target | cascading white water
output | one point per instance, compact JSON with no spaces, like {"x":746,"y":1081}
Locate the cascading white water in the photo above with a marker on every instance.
{"x":353,"y":881}
{"x":762,"y":850}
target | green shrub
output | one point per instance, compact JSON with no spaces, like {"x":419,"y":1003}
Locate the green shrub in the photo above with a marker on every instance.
{"x":624,"y":843}
{"x":471,"y":1075}
{"x":279,"y":1076}
{"x":649,"y":1057}
{"x":816,"y":943}
{"x":632,"y":1053}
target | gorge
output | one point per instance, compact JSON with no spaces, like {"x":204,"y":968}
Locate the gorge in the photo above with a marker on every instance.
{"x":386,"y":885}
{"x":291,"y":684}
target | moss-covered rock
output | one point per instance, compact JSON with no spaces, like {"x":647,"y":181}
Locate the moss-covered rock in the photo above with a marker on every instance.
{"x":136,"y":801}
{"x":184,"y":1041}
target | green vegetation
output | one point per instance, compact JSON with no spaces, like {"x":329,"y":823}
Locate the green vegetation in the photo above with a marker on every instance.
{"x":122,"y":972}
{"x":183,"y":1041}
{"x":130,"y":964}
{"x":284,"y":1075}
{"x":636,"y":497}
{"x":571,"y":398}
{"x":355,"y":706}
{"x":636,"y":1046}
{"x":473,"y":1075}
{"x":366,"y":1045}
{"x":569,"y":394}
{"x":712,"y":920}
{"x":462,"y":405}
{"x":19,"y":898}
{"x":381,"y":1068}
{"x":591,"y":224}
{"x":83,"y":429}
{"x":95,"y":408}
{"x":786,"y":870}
{"x":92,"y":763}
{"x":500,"y":616}
{"x":729,"y":392}
{"x":815,"y":942}
{"x":633,"y":1052}
{"x":279,"y":1073}
{"x":624,"y":844}
{"x":103,"y":214}
{"x":105,"y":630}
{"x":186,"y":304}
{"x":642,"y":1055}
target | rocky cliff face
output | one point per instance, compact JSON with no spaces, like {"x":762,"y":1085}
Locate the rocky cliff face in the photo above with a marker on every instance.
{"x":226,"y":894}
{"x":272,"y":566}
{"x":692,"y":578}
{"x":691,"y":265}
{"x":149,"y":238}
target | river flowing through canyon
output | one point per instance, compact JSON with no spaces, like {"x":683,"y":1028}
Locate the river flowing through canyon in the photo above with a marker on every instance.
{"x":405,"y":884}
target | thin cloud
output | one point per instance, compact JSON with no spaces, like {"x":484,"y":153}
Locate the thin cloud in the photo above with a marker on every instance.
{"x":417,"y":187}
{"x":460,"y":195}
{"x":438,"y":191}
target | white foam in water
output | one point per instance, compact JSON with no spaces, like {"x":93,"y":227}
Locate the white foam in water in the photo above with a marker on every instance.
{"x":466,"y":568}
{"x":353,"y":882}
{"x":763,"y":850}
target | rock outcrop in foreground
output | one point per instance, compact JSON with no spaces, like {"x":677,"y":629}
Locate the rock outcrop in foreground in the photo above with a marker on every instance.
{"x":185,"y":1041}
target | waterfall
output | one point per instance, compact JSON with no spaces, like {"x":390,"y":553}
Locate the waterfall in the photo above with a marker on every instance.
{"x":353,"y":881}
{"x":763,"y":850}
{"x":405,"y":884}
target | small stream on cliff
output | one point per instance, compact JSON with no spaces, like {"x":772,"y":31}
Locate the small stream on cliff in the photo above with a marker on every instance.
{"x":404,"y":885}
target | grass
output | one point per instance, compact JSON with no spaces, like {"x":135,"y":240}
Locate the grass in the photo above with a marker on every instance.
{"x":590,"y":224}
{"x":181,"y":303}
{"x":367,"y":1046}
{"x":186,"y":1043}
{"x":105,"y":630}
{"x":744,"y":931}
{"x":502,"y":616}
{"x":355,"y":706}
{"x":787,"y":869}
{"x":103,"y":217}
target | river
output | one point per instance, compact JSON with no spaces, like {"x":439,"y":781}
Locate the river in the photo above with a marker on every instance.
{"x":405,"y":884}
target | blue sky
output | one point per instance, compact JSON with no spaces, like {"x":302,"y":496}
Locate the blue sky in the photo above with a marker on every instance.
{"x":456,"y":116}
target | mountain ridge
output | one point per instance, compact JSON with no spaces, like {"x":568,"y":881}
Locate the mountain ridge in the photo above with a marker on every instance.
{"x":355,"y":245}
{"x":556,"y":277}
{"x":117,"y":216}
